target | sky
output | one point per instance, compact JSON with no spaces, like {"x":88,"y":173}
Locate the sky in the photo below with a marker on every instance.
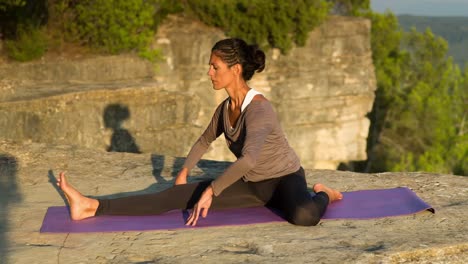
{"x":422,"y":7}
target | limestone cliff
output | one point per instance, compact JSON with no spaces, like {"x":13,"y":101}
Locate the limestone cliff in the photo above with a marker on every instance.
{"x":322,"y":93}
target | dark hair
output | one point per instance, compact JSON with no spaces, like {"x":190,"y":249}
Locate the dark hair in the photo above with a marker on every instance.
{"x":234,"y":50}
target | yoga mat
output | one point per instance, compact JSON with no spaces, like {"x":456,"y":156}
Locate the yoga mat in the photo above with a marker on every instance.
{"x":365,"y":204}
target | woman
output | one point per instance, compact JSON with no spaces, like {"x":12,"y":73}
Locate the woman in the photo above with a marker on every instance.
{"x":267,"y":171}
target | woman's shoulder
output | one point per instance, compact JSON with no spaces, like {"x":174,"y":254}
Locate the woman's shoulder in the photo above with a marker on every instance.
{"x":259,"y":97}
{"x":260,"y":104}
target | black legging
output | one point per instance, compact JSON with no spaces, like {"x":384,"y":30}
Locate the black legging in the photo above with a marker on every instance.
{"x":288,"y":194}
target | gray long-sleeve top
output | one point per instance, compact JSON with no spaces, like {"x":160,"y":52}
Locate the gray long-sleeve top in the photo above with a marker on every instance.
{"x":257,"y":141}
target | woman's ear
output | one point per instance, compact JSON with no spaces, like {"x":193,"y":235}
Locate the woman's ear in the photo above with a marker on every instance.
{"x":238,"y":69}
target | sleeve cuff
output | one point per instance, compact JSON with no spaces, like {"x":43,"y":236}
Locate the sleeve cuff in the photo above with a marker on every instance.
{"x":215,"y":190}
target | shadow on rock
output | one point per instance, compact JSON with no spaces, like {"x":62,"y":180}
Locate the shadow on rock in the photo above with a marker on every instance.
{"x":9,"y":195}
{"x":158,"y":162}
{"x":121,"y":141}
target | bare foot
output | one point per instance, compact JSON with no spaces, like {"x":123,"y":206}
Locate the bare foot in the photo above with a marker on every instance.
{"x":333,"y":194}
{"x":81,"y":207}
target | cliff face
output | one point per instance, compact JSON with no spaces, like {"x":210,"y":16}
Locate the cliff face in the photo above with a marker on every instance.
{"x":322,"y":93}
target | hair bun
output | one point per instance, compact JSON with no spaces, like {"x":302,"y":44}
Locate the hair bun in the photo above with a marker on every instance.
{"x":258,"y":57}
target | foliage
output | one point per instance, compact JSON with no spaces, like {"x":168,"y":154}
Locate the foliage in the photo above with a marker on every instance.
{"x":5,"y":4}
{"x":276,"y":24}
{"x":452,"y":29}
{"x":152,"y":55}
{"x":16,"y":14}
{"x":387,"y":57}
{"x":22,"y":26}
{"x":30,"y":44}
{"x":166,"y":7}
{"x":351,"y":7}
{"x":114,"y":26}
{"x":420,"y":106}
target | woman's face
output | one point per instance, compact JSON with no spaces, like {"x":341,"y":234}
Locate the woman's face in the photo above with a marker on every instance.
{"x":220,"y":73}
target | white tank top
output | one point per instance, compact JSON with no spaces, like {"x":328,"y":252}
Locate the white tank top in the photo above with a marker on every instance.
{"x":248,"y":98}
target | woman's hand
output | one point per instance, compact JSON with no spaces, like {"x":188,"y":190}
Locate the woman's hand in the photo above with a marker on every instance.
{"x":181,"y":177}
{"x":201,"y":207}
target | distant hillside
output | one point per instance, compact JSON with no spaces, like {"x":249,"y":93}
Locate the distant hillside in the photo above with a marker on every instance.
{"x":452,"y":29}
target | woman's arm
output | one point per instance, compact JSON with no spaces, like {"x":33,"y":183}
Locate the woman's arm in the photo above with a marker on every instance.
{"x":213,"y":131}
{"x":181,"y":177}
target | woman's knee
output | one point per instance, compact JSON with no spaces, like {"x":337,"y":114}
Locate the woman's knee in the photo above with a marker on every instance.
{"x":304,"y":217}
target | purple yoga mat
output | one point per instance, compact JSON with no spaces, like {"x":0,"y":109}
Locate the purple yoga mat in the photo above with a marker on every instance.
{"x":366,"y":204}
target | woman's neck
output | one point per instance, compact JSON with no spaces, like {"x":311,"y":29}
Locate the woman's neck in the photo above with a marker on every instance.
{"x":237,"y":95}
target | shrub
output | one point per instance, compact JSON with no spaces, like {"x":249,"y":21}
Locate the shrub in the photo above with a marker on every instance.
{"x":113,"y":26}
{"x":30,"y":43}
{"x":276,"y":24}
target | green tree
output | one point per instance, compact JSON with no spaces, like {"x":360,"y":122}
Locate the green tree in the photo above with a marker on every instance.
{"x":113,"y":26}
{"x":30,"y":43}
{"x":387,"y":58}
{"x":278,"y":24}
{"x":420,"y":106}
{"x":351,"y":7}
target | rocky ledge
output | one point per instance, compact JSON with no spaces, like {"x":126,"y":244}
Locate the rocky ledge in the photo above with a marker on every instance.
{"x":26,"y":192}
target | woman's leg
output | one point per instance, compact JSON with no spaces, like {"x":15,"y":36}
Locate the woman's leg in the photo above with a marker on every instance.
{"x":183,"y":196}
{"x":299,"y":207}
{"x":176,"y":197}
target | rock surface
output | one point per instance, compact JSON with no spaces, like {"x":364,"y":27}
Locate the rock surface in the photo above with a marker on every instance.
{"x":322,"y":93}
{"x":26,"y":191}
